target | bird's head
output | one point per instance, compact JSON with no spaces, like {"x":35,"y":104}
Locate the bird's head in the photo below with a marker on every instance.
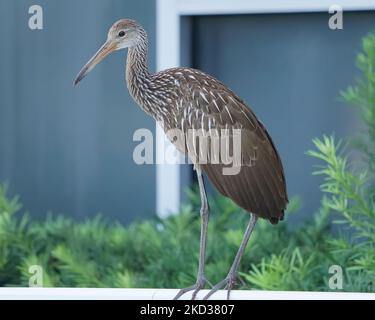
{"x":123,"y":34}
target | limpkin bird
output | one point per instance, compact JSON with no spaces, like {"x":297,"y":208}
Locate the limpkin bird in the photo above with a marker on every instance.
{"x":184,"y":100}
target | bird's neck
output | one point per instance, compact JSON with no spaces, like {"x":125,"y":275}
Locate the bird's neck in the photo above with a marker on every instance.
{"x":138,"y":77}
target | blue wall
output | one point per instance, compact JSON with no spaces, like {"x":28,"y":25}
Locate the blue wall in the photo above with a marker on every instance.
{"x":64,"y":149}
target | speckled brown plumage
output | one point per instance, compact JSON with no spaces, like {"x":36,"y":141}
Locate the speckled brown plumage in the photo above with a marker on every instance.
{"x":207,"y":104}
{"x":185,"y":98}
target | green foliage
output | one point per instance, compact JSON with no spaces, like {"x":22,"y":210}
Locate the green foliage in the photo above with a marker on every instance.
{"x":347,"y":191}
{"x":94,"y":253}
{"x":362,"y":96}
{"x":286,"y":270}
{"x":164,"y":253}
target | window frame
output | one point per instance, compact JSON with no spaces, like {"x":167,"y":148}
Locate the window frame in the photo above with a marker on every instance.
{"x":168,"y":27}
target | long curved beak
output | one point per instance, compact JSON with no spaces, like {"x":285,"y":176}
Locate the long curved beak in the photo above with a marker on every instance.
{"x":105,"y":50}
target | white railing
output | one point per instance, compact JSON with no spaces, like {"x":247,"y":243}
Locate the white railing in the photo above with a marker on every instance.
{"x":168,"y":294}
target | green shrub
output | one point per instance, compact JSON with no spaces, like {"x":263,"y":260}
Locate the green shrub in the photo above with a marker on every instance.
{"x":154,"y":253}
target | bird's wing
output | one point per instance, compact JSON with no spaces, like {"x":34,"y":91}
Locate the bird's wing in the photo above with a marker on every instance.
{"x":260,"y":185}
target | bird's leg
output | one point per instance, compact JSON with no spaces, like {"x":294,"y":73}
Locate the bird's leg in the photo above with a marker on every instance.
{"x":205,"y":213}
{"x":230,"y":280}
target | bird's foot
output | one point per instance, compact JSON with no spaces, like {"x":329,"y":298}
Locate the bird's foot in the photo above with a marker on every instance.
{"x":200,"y":284}
{"x":228,"y":284}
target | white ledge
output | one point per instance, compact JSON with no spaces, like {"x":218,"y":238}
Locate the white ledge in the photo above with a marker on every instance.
{"x":211,"y":7}
{"x":168,"y":294}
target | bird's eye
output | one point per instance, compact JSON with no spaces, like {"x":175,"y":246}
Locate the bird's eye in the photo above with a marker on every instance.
{"x":121,"y":34}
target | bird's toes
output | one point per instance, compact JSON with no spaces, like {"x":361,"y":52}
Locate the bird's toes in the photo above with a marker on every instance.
{"x":199,"y":285}
{"x":183,"y":291}
{"x":195,"y":292}
{"x":228,"y":284}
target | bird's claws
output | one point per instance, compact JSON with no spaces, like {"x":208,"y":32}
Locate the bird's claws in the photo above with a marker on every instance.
{"x":199,"y":285}
{"x":228,"y":284}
